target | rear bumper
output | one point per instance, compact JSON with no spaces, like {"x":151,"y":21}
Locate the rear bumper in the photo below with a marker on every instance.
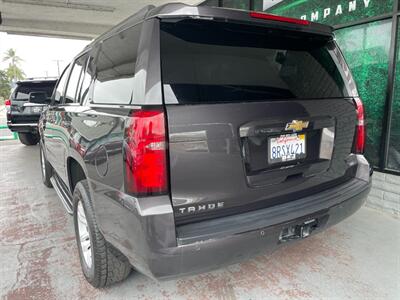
{"x":23,"y":127}
{"x":147,"y":235}
{"x":201,"y":256}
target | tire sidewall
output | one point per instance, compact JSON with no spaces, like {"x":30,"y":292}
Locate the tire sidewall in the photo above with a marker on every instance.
{"x":81,"y":195}
{"x":28,"y":138}
{"x":42,"y":162}
{"x":47,"y":167}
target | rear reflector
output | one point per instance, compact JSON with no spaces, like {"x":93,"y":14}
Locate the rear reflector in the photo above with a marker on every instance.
{"x":360,"y":135}
{"x":7,"y":102}
{"x":145,"y":153}
{"x":258,"y":15}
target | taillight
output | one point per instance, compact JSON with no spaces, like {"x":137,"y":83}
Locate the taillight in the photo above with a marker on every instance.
{"x":360,"y":135}
{"x":7,"y":102}
{"x":258,"y":15}
{"x":145,"y":153}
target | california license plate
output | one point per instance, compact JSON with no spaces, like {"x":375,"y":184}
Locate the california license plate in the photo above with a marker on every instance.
{"x":287,"y":147}
{"x":36,"y":109}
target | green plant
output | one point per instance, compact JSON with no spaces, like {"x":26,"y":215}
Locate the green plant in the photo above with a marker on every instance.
{"x":4,"y":87}
{"x":14,"y":71}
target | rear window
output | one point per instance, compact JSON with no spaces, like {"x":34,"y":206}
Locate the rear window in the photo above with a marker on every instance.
{"x":23,"y":89}
{"x":206,"y":61}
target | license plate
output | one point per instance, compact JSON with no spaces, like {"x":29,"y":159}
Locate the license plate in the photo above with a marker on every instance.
{"x":37,"y":109}
{"x":287,"y":147}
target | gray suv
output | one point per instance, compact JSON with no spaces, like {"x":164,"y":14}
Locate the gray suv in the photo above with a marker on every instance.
{"x":187,"y":138}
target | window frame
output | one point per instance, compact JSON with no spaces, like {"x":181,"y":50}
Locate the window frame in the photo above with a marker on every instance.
{"x":93,"y":53}
{"x":77,"y":102}
{"x":80,"y":85}
{"x":65,"y":72}
{"x":96,"y":57}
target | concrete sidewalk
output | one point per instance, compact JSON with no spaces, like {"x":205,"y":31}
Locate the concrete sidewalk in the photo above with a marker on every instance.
{"x":357,"y":259}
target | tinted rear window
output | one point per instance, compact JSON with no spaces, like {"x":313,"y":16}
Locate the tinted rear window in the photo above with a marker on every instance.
{"x":23,"y":89}
{"x":205,"y":61}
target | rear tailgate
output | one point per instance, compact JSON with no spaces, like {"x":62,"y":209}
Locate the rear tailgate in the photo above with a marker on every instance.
{"x":22,"y":111}
{"x":255,"y":117}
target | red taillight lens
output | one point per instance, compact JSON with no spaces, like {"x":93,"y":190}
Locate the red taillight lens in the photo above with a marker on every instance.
{"x":360,"y":136}
{"x":258,"y":15}
{"x":7,"y":102}
{"x":145,"y":153}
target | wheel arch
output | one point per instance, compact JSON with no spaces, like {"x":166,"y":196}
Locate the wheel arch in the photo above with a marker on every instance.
{"x":76,"y":172}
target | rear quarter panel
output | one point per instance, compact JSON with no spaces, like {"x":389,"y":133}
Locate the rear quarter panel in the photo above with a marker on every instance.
{"x":99,"y":139}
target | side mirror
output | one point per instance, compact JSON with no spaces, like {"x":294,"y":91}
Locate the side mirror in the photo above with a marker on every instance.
{"x":38,"y":97}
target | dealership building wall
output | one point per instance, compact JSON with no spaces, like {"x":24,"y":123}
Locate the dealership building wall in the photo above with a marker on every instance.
{"x":368,"y":32}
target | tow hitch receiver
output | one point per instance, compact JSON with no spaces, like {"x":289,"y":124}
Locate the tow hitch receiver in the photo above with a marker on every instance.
{"x":293,"y":232}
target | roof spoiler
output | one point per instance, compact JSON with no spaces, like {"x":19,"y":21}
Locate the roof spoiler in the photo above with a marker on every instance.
{"x":179,"y":10}
{"x":182,"y":11}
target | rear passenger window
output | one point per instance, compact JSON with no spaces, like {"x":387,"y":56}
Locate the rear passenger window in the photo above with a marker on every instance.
{"x":115,"y":68}
{"x":71,"y":94}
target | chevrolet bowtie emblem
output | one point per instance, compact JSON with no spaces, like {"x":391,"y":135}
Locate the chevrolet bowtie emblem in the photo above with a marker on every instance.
{"x":296,"y":125}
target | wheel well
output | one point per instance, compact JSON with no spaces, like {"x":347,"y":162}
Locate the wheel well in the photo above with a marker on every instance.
{"x":75,"y":173}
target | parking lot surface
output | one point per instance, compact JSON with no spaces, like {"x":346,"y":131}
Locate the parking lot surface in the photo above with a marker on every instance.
{"x":357,"y":259}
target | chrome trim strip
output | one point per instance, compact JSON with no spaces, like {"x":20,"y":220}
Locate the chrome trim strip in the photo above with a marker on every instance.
{"x":23,"y":124}
{"x":30,"y":104}
{"x":129,"y":106}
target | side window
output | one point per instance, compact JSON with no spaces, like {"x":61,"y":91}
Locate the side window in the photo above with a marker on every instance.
{"x":58,"y":92}
{"x":71,"y":93}
{"x":115,"y":68}
{"x":85,"y":91}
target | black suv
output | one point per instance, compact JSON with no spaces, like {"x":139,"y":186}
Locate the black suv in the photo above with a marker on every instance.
{"x":26,"y":103}
{"x":187,"y":138}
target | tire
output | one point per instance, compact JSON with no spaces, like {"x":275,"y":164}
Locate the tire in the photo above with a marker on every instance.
{"x":28,"y":139}
{"x":106,"y":265}
{"x":45,"y":167}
